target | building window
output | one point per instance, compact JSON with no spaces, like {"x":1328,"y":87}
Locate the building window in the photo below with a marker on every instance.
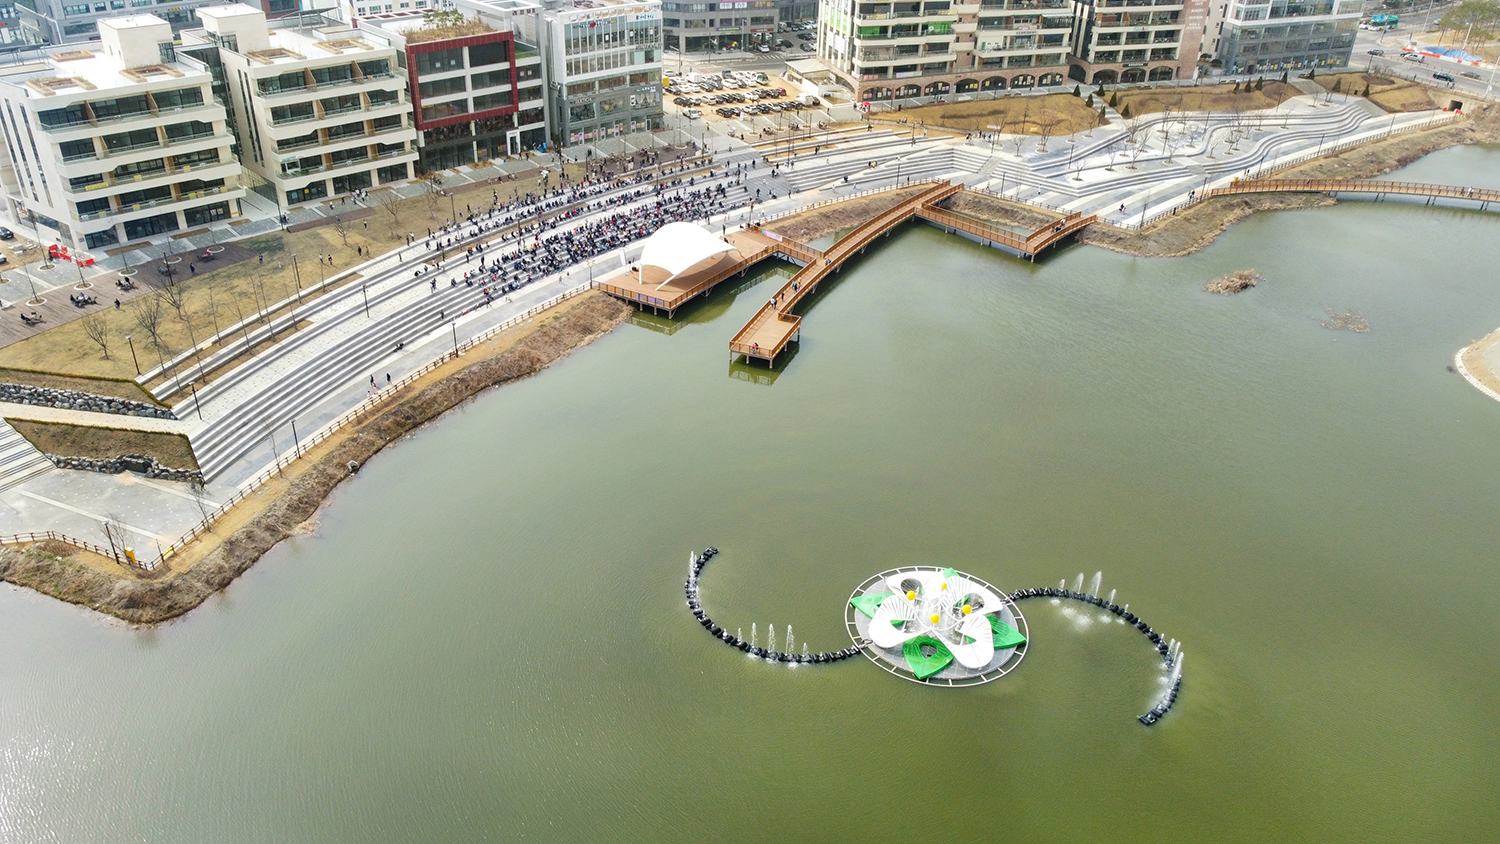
{"x":316,"y":190}
{"x":439,"y":61}
{"x":206,"y":214}
{"x":95,"y":240}
{"x":489,"y":101}
{"x":442,"y":110}
{"x":443,"y":87}
{"x":393,"y":173}
{"x":494,"y":52}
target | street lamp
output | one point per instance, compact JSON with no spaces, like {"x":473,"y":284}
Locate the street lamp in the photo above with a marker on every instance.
{"x":193,"y":385}
{"x":363,"y":293}
{"x":132,"y":354}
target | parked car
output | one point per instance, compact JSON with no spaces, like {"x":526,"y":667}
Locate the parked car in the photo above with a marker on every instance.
{"x":6,"y":234}
{"x":807,"y":48}
{"x":805,"y":36}
{"x":692,"y":113}
{"x":1413,"y":57}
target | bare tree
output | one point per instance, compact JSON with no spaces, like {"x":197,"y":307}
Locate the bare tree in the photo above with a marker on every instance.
{"x":174,"y":295}
{"x":1021,"y":126}
{"x":432,"y":193}
{"x":390,"y":202}
{"x":200,"y":498}
{"x":96,"y":327}
{"x":148,"y":316}
{"x":1045,"y":129}
{"x":114,"y":534}
{"x":341,"y":226}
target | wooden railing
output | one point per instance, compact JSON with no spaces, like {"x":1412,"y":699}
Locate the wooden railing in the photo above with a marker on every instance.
{"x":1355,"y":186}
{"x":116,"y":554}
{"x":804,"y":281}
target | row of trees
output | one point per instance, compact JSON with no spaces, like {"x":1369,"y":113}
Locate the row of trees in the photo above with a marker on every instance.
{"x":1475,"y":20}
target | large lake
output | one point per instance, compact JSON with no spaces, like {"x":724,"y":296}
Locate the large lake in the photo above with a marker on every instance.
{"x":486,"y":637}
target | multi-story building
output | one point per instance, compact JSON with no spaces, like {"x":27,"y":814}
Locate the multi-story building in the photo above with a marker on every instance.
{"x":729,"y":24}
{"x":1136,"y":40}
{"x":72,"y":21}
{"x":117,"y":144}
{"x":1261,"y":36}
{"x":603,"y":66}
{"x":319,"y":107}
{"x":476,"y":91}
{"x":931,"y":47}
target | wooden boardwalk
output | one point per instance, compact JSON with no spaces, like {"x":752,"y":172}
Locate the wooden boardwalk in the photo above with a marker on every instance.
{"x":1483,"y":196}
{"x":774,"y":326}
{"x":652,"y":287}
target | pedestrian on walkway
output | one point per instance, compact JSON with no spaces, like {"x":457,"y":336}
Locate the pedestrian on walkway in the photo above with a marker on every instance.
{"x":261,"y":257}
{"x":192,"y":269}
{"x":117,"y":304}
{"x":372,"y":380}
{"x":387,"y":378}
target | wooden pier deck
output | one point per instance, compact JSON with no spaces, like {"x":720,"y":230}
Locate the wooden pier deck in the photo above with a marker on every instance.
{"x":650,"y":287}
{"x":774,"y":326}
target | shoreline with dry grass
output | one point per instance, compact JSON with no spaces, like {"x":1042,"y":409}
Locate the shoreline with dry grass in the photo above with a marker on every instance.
{"x":287,"y":504}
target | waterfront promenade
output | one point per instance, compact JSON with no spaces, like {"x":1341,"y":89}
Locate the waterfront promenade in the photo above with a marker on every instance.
{"x":244,"y":423}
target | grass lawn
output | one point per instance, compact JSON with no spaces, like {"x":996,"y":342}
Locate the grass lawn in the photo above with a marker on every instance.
{"x":171,"y":450}
{"x":1052,"y":114}
{"x":114,"y":388}
{"x":1393,"y":95}
{"x":1201,"y":98}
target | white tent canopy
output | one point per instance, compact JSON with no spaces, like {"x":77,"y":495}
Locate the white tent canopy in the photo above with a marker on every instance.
{"x":676,"y":247}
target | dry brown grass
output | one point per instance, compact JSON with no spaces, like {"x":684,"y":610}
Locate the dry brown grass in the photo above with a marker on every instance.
{"x":284,"y":505}
{"x":1235,"y":282}
{"x":1393,"y":95}
{"x":170,"y":450}
{"x":996,"y":211}
{"x":840,"y":216}
{"x":114,"y":387}
{"x":468,"y":26}
{"x":1202,"y":98}
{"x":1052,"y":114}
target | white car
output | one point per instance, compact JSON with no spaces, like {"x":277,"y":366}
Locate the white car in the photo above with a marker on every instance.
{"x":692,"y":113}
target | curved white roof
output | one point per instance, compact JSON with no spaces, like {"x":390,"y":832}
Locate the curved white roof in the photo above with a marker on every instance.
{"x":676,"y":247}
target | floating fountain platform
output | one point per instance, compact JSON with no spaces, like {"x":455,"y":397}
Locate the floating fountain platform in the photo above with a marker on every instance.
{"x":937,"y":610}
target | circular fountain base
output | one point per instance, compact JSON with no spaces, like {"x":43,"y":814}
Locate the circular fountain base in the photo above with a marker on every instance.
{"x":892,"y":659}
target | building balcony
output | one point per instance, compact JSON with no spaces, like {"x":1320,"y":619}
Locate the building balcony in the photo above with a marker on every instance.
{"x":372,"y":80}
{"x":113,"y":185}
{"x":155,"y":204}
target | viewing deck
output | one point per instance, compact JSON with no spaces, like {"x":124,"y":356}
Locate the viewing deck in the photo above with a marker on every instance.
{"x":652,"y":287}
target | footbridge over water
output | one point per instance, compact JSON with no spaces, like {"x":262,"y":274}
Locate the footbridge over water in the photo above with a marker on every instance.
{"x":1484,"y":196}
{"x":774,"y":326}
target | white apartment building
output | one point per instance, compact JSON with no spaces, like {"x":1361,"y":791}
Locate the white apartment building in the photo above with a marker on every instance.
{"x":886,"y":50}
{"x":116,"y":144}
{"x":603,"y":62}
{"x":320,"y":108}
{"x":1136,"y":40}
{"x":1265,"y":36}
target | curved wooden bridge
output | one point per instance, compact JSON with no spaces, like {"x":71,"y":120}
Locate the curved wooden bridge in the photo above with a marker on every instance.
{"x":1483,"y":196}
{"x":774,"y":326}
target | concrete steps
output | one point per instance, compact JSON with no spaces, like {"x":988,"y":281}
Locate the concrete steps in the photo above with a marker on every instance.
{"x":19,"y":459}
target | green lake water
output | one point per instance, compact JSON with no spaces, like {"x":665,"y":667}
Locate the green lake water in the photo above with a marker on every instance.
{"x":486,"y":637}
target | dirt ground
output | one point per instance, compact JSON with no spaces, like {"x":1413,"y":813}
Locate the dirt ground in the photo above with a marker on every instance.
{"x":171,"y":450}
{"x":840,"y":216}
{"x":1053,"y":114}
{"x":289,"y":503}
{"x":1392,"y":94}
{"x":1201,"y":98}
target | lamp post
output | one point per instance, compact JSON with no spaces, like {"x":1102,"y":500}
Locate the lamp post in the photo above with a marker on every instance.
{"x":193,"y":385}
{"x":133,"y":358}
{"x":365,"y":294}
{"x":455,"y":336}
